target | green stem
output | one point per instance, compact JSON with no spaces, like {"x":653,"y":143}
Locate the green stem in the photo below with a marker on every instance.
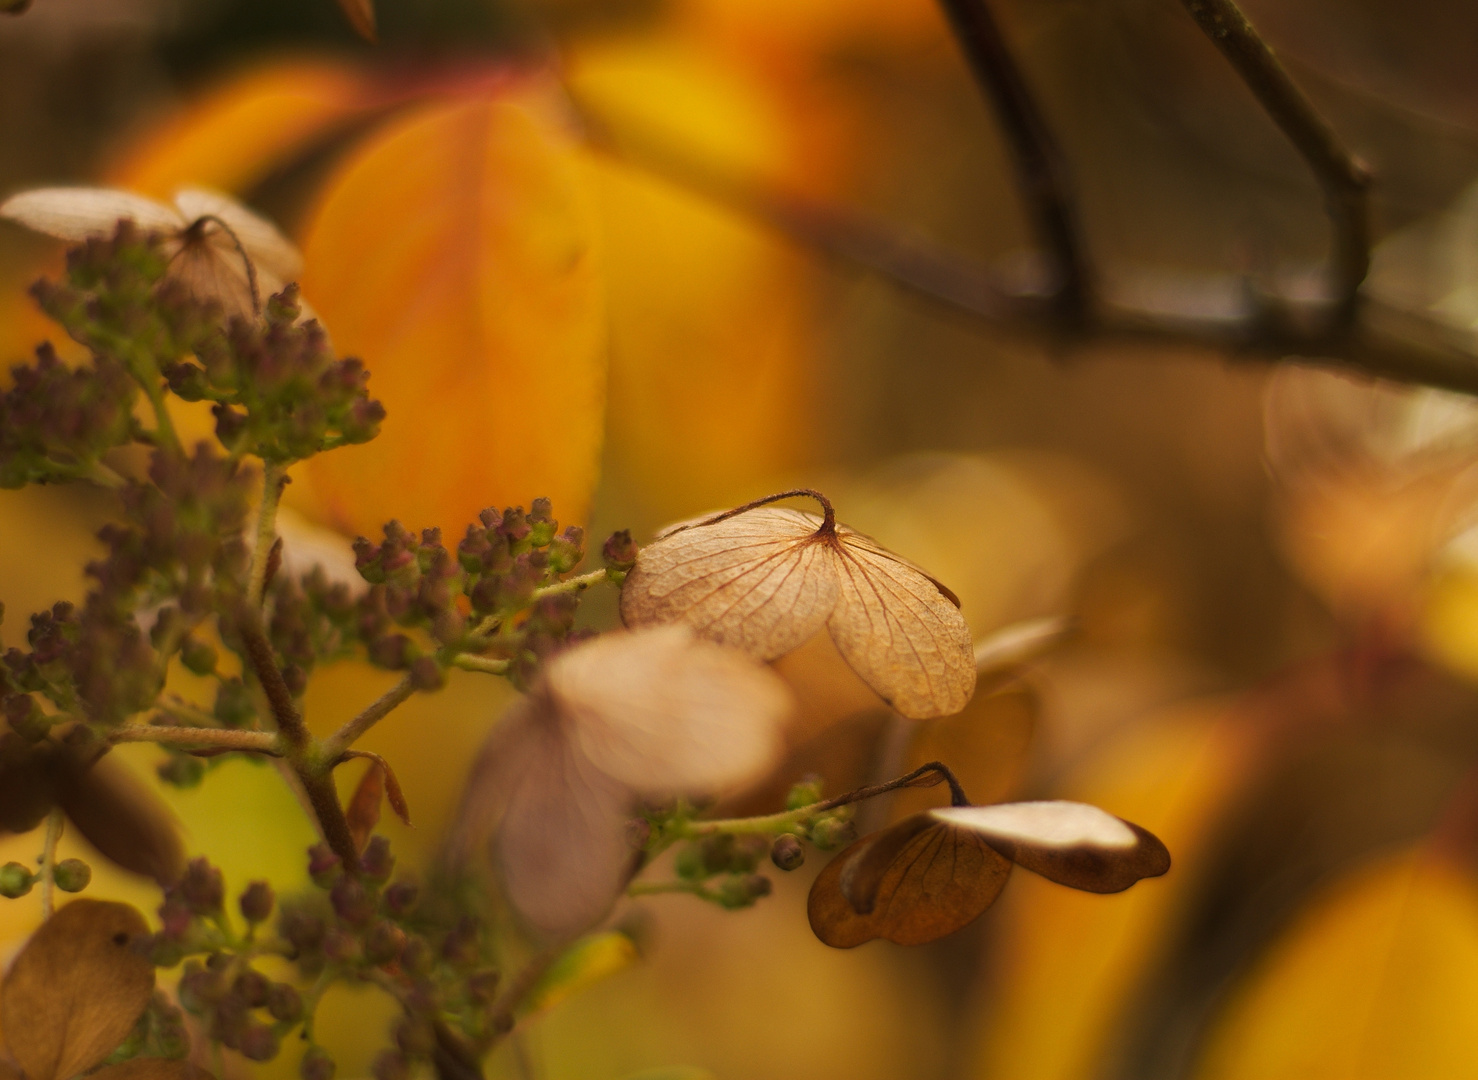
{"x":654,"y":888}
{"x":263,"y":742}
{"x":467,"y":662}
{"x":373,"y":713}
{"x":273,"y":477}
{"x":54,"y":824}
{"x":574,"y":584}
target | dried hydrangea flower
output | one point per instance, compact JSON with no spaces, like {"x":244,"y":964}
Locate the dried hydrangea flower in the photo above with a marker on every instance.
{"x":935,"y":872}
{"x":218,"y":249}
{"x":75,"y":992}
{"x":766,"y":579}
{"x":647,"y":714}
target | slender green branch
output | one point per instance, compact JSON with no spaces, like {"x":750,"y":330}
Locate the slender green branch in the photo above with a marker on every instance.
{"x":273,"y":478}
{"x":373,"y":713}
{"x":467,"y":662}
{"x":55,"y":821}
{"x":574,"y":584}
{"x":227,"y":738}
{"x":654,"y":888}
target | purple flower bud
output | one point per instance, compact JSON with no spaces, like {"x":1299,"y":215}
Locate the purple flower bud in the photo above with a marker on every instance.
{"x":377,"y":862}
{"x":390,"y":1065}
{"x":284,"y":1002}
{"x":426,"y":674}
{"x":256,"y":902}
{"x":384,"y":942}
{"x":787,"y":852}
{"x":415,"y":1037}
{"x":352,"y":903}
{"x":259,"y":1043}
{"x":619,"y":552}
{"x":252,"y":987}
{"x":202,"y":887}
{"x":323,"y":865}
{"x":400,"y":898}
{"x":316,"y":1064}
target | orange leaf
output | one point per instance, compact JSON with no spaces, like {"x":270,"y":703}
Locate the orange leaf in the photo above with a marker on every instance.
{"x":456,"y":253}
{"x":234,"y":135}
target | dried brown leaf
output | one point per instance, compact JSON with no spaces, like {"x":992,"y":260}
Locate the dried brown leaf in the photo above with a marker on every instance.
{"x":1070,"y":843}
{"x":390,"y":787}
{"x":664,"y":712}
{"x":123,"y":818}
{"x":146,"y":1068}
{"x":910,"y":884}
{"x":361,"y":16}
{"x":767,"y":579}
{"x":76,"y":989}
{"x":9,"y":1070}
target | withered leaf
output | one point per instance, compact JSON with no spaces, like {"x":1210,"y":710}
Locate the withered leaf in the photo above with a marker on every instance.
{"x":149,"y":1068}
{"x":910,"y":884}
{"x":208,"y":237}
{"x":648,"y":713}
{"x":935,"y":872}
{"x":76,"y":989}
{"x":1070,"y":843}
{"x":769,"y":578}
{"x":121,"y":816}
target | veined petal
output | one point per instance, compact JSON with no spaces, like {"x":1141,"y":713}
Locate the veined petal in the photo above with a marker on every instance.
{"x":273,"y":253}
{"x":761,"y":581}
{"x":900,"y":631}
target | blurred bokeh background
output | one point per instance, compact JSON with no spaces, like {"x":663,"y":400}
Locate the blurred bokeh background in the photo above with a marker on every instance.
{"x":1274,"y":573}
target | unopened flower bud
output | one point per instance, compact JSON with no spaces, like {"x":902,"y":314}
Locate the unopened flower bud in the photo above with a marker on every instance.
{"x":460,"y":946}
{"x":202,"y":887}
{"x":805,"y":793}
{"x":400,"y":898}
{"x":352,"y":902}
{"x":316,"y":1064}
{"x":323,"y":865}
{"x":341,"y":946}
{"x":482,"y":985}
{"x":181,"y":771}
{"x":831,"y":833}
{"x":259,"y":1043}
{"x":377,"y":862}
{"x":787,"y":852}
{"x":256,"y":902}
{"x":384,"y":942}
{"x":15,"y":880}
{"x":252,"y":987}
{"x":198,"y":656}
{"x":304,"y":932}
{"x":72,"y":875}
{"x":425,"y":674}
{"x":740,"y":892}
{"x":619,"y":551}
{"x":415,"y":1037}
{"x":284,"y":1002}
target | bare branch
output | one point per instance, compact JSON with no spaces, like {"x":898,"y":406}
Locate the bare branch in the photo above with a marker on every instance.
{"x":225,"y":738}
{"x":1040,"y":166}
{"x":1344,"y":179}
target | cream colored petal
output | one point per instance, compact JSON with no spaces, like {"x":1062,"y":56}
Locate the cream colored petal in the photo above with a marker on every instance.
{"x":757,"y":582}
{"x":1000,"y":657}
{"x":665,"y":712}
{"x":272,"y":252}
{"x":900,"y":633}
{"x":80,"y":213}
{"x":209,"y":272}
{"x":1071,"y":843}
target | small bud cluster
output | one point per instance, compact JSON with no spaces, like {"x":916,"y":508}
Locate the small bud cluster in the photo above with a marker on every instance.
{"x":278,"y":391}
{"x":484,"y":598}
{"x":159,"y":1033}
{"x":56,"y":422}
{"x":70,"y":875}
{"x":721,"y":868}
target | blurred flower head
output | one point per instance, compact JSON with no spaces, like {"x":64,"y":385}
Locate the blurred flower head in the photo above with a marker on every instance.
{"x":645,"y":715}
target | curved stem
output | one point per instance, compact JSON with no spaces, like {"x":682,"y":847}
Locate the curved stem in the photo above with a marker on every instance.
{"x":828,"y":522}
{"x":274,"y":476}
{"x":372,"y":714}
{"x":480,"y":663}
{"x":574,"y":584}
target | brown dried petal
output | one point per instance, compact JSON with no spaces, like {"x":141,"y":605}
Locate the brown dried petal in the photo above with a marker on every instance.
{"x":122,"y":817}
{"x":663,"y":712}
{"x":1070,"y":843}
{"x":363,"y":809}
{"x":759,"y":581}
{"x":151,"y":1069}
{"x":76,"y":989}
{"x":918,"y":881}
{"x":900,"y":632}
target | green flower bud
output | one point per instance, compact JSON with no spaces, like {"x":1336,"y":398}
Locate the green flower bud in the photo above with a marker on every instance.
{"x":72,"y":875}
{"x":15,"y":880}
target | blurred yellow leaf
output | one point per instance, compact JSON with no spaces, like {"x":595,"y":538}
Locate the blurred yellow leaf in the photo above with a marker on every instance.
{"x":456,"y":253}
{"x":584,"y":963}
{"x":1072,"y":959}
{"x":1377,"y":979}
{"x":714,"y":365}
{"x":236,"y":133}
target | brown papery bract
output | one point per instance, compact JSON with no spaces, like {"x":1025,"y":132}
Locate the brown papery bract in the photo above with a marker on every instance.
{"x":645,"y":714}
{"x":767,"y":579}
{"x":935,"y":872}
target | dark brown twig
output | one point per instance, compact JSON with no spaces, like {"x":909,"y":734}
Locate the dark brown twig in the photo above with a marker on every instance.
{"x":1344,"y":179}
{"x":1041,"y":168}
